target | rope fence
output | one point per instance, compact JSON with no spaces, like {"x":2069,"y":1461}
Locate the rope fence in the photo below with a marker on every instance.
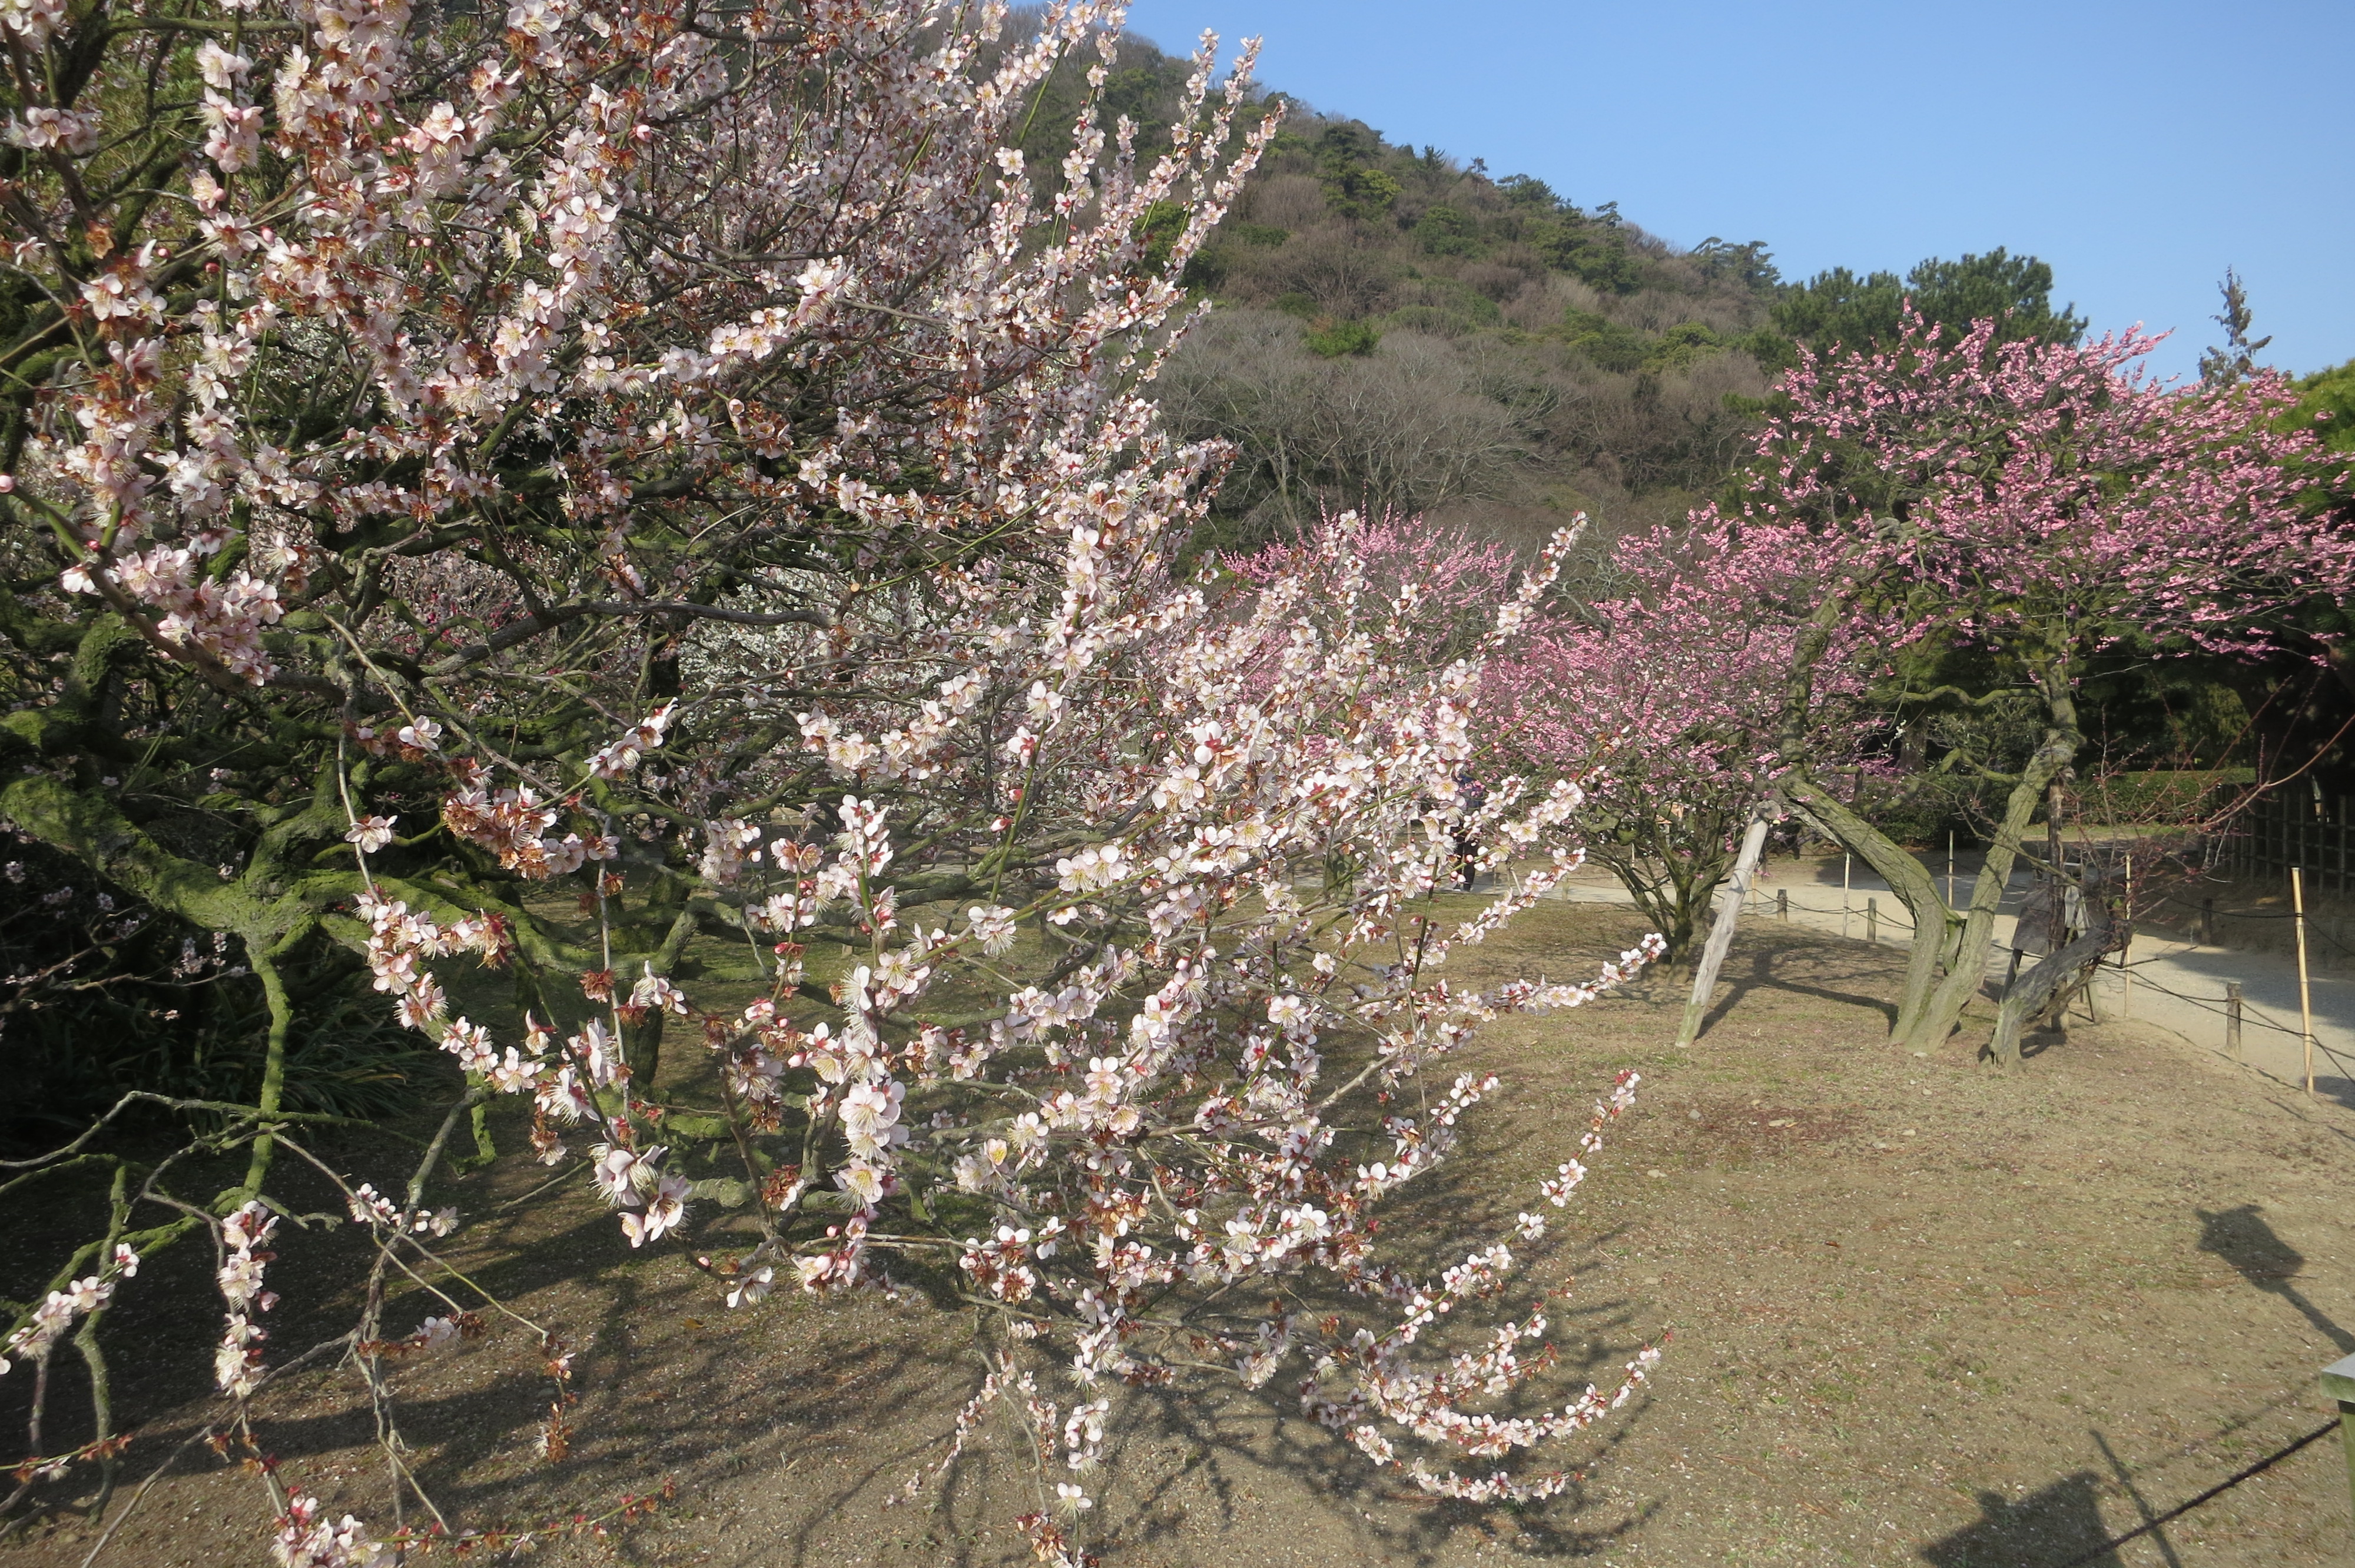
{"x":2237,"y":1011}
{"x":2211,"y":1495}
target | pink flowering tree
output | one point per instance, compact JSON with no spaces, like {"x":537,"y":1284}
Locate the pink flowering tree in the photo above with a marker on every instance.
{"x":2034,"y":505}
{"x":1665,"y":695}
{"x":685,"y":469}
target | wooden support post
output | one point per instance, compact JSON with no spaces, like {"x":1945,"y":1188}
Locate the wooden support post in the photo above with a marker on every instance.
{"x":1872,"y":919}
{"x":1950,"y":868}
{"x":2232,"y":1018}
{"x":2338,"y":1383}
{"x":2125,"y":950}
{"x":1732,"y":893}
{"x":1848,"y":871}
{"x":2304,"y":994}
{"x":1782,"y":903}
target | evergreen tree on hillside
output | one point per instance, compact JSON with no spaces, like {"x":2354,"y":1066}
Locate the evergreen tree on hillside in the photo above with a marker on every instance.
{"x":1837,"y":307}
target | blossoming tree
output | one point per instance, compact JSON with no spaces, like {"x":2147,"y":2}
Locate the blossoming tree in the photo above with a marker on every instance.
{"x":1666,"y":692}
{"x":647,"y":497}
{"x":2036,"y":504}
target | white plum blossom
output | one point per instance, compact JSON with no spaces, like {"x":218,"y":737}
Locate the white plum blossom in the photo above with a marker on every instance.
{"x":371,"y":833}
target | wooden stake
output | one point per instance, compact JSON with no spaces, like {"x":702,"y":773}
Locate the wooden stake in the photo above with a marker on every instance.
{"x":2232,"y":1018}
{"x":1848,"y":866}
{"x":2126,"y":953}
{"x":1872,"y":919}
{"x":1730,"y":896}
{"x":2305,"y":997}
{"x":1782,"y":903}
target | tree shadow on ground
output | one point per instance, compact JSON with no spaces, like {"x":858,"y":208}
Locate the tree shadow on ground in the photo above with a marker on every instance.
{"x":2055,"y":1526}
{"x":1191,"y":1463}
{"x":2048,"y":1528}
{"x":2243,"y":1238}
{"x":1226,"y":1438}
{"x":1779,"y":968}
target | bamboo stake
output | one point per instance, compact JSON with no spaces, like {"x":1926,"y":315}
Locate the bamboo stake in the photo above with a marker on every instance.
{"x":2305,"y":997}
{"x":1848,"y":866}
{"x":2125,"y":952}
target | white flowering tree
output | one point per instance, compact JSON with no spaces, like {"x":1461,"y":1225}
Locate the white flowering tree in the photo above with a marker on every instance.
{"x":678,"y":466}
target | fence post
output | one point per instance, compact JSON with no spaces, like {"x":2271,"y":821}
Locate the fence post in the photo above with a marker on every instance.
{"x":1872,"y":919}
{"x":2232,"y":1018}
{"x":2338,"y":1383}
{"x":1782,"y":903}
{"x":2305,"y":996}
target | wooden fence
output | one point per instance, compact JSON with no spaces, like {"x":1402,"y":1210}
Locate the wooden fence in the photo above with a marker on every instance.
{"x":2297,"y":831}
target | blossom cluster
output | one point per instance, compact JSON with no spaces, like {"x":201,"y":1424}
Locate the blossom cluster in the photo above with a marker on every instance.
{"x":244,"y":1234}
{"x":57,"y":1311}
{"x":307,"y":1538}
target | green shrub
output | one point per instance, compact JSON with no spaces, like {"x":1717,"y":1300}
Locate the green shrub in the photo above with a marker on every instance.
{"x":1444,"y":231}
{"x":2162,"y":796}
{"x":1267,"y":236}
{"x":1342,"y":338}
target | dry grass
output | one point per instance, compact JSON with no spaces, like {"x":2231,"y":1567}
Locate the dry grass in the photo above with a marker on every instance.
{"x":1922,"y":1311}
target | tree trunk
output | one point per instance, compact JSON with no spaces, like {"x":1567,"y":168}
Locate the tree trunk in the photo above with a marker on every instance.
{"x":1964,"y":977}
{"x":2055,"y":973}
{"x":1906,"y":876}
{"x":1731,"y":894}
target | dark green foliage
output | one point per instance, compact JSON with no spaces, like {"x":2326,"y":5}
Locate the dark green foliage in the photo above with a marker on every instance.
{"x":2329,"y":404}
{"x":1839,"y":307}
{"x":1360,"y":193}
{"x":1598,"y":252}
{"x":1205,"y":270}
{"x":1348,"y":155}
{"x":1160,"y":227}
{"x":1337,"y":338}
{"x":1444,"y":231}
{"x":1608,"y":344}
{"x":1752,"y":265}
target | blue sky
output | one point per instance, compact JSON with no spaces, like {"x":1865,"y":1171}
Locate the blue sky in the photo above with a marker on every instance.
{"x":2140,"y":148}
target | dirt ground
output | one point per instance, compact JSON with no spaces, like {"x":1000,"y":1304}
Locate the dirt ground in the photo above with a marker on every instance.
{"x":1923,"y":1311}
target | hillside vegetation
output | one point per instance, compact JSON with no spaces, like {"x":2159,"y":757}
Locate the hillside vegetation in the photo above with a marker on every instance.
{"x":1396,"y":327}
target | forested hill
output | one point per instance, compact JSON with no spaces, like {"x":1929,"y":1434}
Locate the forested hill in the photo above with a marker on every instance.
{"x":1398,"y":327}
